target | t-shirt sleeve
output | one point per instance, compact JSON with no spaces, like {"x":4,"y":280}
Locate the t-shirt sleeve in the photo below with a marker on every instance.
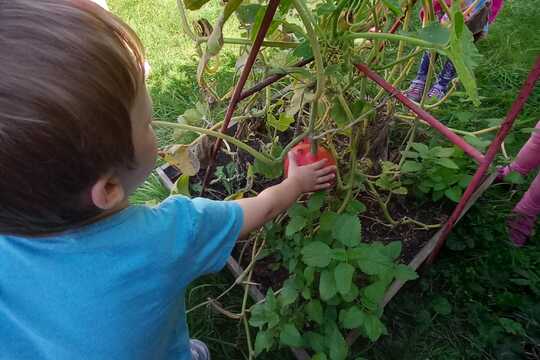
{"x":216,"y":226}
{"x":205,"y":232}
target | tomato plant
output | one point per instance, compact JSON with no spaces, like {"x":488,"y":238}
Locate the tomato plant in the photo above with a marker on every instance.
{"x":336,"y":280}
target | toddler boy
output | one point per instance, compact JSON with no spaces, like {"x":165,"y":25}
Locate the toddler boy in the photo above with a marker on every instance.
{"x":83,"y":274}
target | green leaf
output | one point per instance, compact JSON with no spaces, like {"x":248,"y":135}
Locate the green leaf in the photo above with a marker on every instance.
{"x":393,"y":5}
{"x":328,"y":221}
{"x":327,"y":285}
{"x":514,"y":178}
{"x":454,"y":193}
{"x":441,"y":152}
{"x":442,"y":306}
{"x":269,"y":171}
{"x":316,"y":254}
{"x":181,"y":186}
{"x":400,"y":191}
{"x":309,"y":275}
{"x":314,"y":311}
{"x":316,"y":201}
{"x":373,"y":327}
{"x":247,"y":13}
{"x":353,"y":318}
{"x":194,"y":4}
{"x":371,"y":261}
{"x":298,"y":210}
{"x":315,"y":341}
{"x":263,"y":314}
{"x":463,"y":54}
{"x":410,"y":166}
{"x":422,"y":149}
{"x":303,"y":50}
{"x":512,"y":327}
{"x":352,"y":295}
{"x":338,"y":346}
{"x":289,"y":336}
{"x":447,"y":163}
{"x":319,"y":356}
{"x":373,"y":294}
{"x":355,"y":207}
{"x":339,"y":254}
{"x":343,"y":274}
{"x":325,"y":8}
{"x":338,"y":114}
{"x":433,"y":33}
{"x":295,"y":225}
{"x":347,"y":230}
{"x":284,"y":122}
{"x":405,"y":273}
{"x":288,"y":294}
{"x":392,"y":250}
{"x":465,"y":180}
{"x":263,"y":342}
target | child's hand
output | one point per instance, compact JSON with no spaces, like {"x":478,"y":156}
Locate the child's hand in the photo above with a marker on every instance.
{"x":312,"y":177}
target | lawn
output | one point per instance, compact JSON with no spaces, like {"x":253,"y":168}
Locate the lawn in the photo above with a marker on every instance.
{"x":481,"y":300}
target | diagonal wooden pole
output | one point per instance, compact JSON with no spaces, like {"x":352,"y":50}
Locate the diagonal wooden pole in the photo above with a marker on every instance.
{"x":493,"y":149}
{"x":265,"y":25}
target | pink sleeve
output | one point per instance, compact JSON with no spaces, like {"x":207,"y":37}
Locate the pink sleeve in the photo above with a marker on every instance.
{"x":437,"y":8}
{"x":496,"y":6}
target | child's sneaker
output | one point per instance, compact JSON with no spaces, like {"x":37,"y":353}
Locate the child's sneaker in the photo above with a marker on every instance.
{"x":199,"y":350}
{"x":416,"y":90}
{"x":437,"y":92}
{"x":520,"y":227}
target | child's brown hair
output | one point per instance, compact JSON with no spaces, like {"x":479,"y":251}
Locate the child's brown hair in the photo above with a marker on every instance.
{"x":69,"y":73}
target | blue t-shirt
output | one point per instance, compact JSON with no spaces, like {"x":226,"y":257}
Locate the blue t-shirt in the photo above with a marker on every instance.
{"x":115,"y":289}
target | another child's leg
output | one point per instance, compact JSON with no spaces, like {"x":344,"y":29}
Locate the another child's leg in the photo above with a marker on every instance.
{"x":523,"y":218}
{"x":199,"y":350}
{"x":528,"y":157}
{"x":440,"y":88}
{"x":416,"y":89}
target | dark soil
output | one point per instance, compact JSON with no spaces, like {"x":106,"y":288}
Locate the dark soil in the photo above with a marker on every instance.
{"x":265,"y":273}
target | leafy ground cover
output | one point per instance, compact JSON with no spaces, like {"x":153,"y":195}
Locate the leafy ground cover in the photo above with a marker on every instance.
{"x":479,"y":300}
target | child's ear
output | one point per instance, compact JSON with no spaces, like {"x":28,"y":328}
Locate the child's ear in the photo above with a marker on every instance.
{"x":107,"y":192}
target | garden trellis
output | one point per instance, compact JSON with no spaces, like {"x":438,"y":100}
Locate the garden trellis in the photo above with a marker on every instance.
{"x":387,"y":17}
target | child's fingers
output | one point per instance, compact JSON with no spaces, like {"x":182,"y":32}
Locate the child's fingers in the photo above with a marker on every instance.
{"x":322,"y":186}
{"x":292,"y":159}
{"x":318,"y":165}
{"x":326,"y":170}
{"x":325,"y":179}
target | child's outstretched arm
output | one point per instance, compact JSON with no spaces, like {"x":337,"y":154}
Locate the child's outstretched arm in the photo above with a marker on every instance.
{"x":278,"y":198}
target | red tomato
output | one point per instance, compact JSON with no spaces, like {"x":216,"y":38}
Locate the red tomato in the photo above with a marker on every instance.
{"x":303,"y":156}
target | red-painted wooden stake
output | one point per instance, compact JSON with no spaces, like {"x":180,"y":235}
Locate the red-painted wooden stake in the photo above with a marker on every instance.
{"x":494,"y":148}
{"x":421,"y":113}
{"x":265,"y":25}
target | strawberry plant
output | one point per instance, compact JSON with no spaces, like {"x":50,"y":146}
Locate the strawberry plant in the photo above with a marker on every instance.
{"x":307,"y":95}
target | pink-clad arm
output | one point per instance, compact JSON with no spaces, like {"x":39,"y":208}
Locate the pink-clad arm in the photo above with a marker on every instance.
{"x":496,"y":7}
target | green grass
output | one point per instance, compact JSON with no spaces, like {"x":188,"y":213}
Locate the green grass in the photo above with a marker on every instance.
{"x":455,"y":310}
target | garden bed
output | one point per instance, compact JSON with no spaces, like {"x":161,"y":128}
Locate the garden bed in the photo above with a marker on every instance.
{"x":417,"y":244}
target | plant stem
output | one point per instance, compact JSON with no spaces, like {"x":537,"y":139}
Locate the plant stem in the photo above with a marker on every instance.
{"x":291,"y":144}
{"x":308,"y":21}
{"x":276,"y":44}
{"x":395,"y":37}
{"x":256,"y":154}
{"x":352,"y":164}
{"x":382,"y":204}
{"x":427,"y":84}
{"x":358,"y":120}
{"x":184,"y":22}
{"x":412,"y":54}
